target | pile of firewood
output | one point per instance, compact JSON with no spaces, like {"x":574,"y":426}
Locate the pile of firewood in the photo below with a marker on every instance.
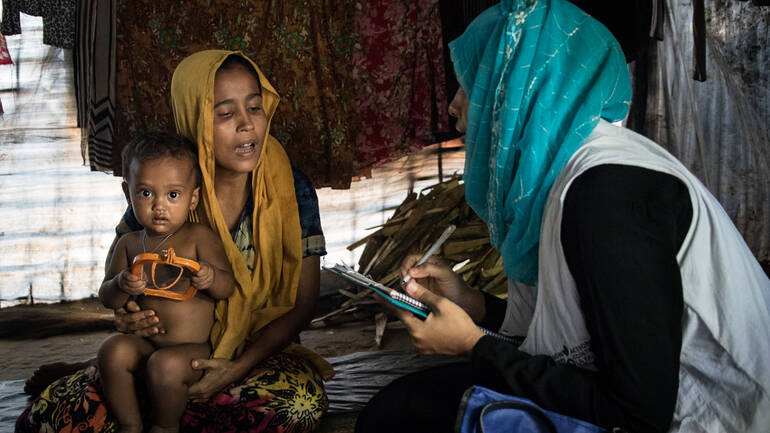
{"x":418,"y":222}
{"x":414,"y":226}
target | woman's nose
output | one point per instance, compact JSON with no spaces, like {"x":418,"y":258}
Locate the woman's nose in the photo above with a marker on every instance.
{"x":245,"y":122}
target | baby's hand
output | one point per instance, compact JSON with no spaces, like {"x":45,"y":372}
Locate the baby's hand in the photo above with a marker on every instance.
{"x":130,"y":283}
{"x":204,"y":278}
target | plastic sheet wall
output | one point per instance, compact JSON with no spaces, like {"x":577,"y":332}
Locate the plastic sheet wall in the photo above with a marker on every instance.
{"x":57,"y":219}
{"x":718,"y":128}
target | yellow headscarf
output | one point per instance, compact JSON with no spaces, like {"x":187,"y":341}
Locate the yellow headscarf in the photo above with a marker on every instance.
{"x":270,"y":290}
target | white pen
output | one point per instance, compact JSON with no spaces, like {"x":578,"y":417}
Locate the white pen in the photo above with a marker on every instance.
{"x":433,"y":248}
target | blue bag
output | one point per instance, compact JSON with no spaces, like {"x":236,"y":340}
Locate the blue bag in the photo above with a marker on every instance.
{"x":485,"y":411}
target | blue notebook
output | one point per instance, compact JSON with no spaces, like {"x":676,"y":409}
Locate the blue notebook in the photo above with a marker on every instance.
{"x":399,"y":299}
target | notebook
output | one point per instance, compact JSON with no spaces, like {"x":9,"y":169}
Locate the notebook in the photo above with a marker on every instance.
{"x":400,"y":299}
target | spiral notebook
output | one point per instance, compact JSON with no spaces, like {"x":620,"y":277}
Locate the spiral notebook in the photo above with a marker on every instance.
{"x":400,"y":299}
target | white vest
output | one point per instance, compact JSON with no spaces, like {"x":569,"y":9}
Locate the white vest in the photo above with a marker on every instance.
{"x":724,"y":372}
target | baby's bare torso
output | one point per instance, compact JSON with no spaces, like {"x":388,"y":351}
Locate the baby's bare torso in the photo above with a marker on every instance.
{"x":187,"y":321}
{"x":184,"y":321}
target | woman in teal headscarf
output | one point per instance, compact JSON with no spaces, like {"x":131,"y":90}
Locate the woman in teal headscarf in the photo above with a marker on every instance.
{"x":622,"y":267}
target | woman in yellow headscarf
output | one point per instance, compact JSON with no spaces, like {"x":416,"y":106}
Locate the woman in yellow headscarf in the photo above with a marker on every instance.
{"x":267,"y":217}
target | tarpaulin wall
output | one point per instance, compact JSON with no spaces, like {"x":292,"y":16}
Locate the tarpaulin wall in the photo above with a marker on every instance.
{"x":718,"y":128}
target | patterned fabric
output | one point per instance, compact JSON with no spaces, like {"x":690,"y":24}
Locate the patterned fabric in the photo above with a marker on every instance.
{"x":398,"y":68}
{"x":282,"y":394}
{"x":539,"y":75}
{"x":304,"y":47}
{"x":58,"y":19}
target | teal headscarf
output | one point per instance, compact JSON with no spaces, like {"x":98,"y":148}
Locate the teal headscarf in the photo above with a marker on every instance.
{"x":539,"y":74}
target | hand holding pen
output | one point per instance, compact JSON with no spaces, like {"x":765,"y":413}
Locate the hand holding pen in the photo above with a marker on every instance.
{"x":432,"y":250}
{"x":453,"y":305}
{"x":437,"y":276}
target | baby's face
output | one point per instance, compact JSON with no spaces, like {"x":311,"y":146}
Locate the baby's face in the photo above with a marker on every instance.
{"x":162,"y":192}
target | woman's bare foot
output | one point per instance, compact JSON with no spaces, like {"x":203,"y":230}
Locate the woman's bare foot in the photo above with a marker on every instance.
{"x":48,"y":373}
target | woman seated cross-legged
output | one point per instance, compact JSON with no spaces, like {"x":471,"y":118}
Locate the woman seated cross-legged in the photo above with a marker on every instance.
{"x":266,"y":215}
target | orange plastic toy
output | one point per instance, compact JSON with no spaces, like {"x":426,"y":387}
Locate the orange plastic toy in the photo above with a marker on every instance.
{"x":173,"y":268}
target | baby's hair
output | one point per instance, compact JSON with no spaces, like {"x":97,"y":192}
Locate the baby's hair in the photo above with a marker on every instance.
{"x":154,"y":145}
{"x":234,"y":61}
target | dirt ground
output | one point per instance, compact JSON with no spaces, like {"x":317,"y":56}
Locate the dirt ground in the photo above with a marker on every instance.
{"x":86,"y":324}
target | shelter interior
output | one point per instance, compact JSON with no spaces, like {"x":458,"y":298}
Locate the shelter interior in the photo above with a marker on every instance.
{"x":60,"y":197}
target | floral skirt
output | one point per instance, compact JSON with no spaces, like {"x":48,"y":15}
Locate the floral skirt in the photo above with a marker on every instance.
{"x":282,"y":394}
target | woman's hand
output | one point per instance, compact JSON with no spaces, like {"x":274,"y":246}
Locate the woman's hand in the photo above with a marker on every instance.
{"x":218,"y":373}
{"x":448,"y":330}
{"x":133,"y":320}
{"x":436,"y":275}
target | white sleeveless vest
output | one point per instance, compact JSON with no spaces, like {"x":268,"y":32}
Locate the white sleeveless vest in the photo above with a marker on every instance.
{"x":724,"y":373}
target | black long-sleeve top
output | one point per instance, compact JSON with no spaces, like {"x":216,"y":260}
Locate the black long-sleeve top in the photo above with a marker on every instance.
{"x":621,"y":229}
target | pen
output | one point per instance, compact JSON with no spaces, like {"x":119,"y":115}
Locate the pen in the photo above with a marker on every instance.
{"x":433,"y":248}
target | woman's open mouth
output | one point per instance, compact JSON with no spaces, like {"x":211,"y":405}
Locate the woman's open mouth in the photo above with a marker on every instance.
{"x":245,"y":148}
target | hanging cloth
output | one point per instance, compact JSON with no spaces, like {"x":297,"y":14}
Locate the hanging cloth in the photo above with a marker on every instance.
{"x":95,"y":77}
{"x":398,"y":71}
{"x":58,"y":19}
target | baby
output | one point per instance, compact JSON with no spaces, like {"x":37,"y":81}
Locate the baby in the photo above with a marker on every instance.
{"x":161,"y":183}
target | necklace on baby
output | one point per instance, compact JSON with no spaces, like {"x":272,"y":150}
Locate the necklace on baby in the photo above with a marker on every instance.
{"x":144,"y":237}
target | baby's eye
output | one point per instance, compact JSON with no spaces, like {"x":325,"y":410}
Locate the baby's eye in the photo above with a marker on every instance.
{"x":145,"y":193}
{"x":256,"y":108}
{"x":225,"y":114}
{"x":174,"y":194}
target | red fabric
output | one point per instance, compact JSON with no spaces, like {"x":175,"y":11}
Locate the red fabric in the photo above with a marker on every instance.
{"x":5,"y":56}
{"x":5,"y":59}
{"x":398,"y":68}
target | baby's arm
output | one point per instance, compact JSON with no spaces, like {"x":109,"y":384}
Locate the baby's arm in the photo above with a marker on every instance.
{"x":119,"y":283}
{"x":215,"y":275}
